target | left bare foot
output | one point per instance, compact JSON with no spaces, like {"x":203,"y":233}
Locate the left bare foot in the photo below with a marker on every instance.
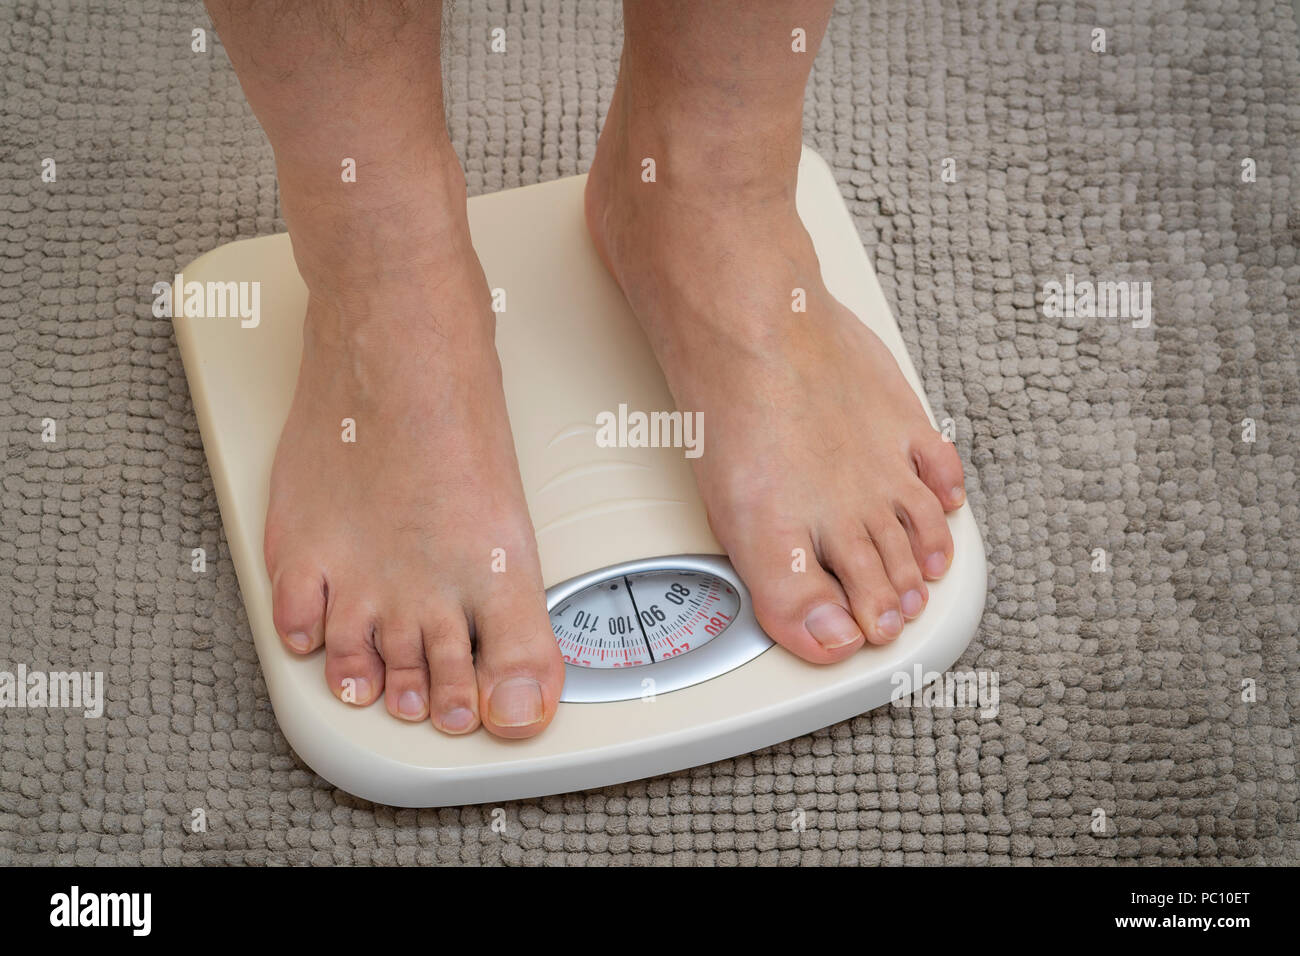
{"x":815,"y":439}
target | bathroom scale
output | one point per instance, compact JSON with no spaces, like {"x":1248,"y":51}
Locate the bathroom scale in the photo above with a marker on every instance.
{"x":666,"y":667}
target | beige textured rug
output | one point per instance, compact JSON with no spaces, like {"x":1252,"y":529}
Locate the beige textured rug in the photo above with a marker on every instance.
{"x":1121,"y":690}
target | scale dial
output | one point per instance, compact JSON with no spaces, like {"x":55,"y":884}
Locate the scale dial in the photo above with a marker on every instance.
{"x":648,"y":627}
{"x":639,"y":618}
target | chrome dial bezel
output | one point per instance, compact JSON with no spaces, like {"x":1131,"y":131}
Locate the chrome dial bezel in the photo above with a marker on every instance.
{"x":741,"y":642}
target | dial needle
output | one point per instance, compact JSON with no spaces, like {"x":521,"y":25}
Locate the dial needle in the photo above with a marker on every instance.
{"x":638,"y":618}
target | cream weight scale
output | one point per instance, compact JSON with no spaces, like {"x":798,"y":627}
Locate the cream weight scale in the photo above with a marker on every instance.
{"x":666,"y":667}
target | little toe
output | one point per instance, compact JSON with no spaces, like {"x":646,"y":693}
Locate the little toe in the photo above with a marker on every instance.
{"x":939,"y":466}
{"x":298,"y":605}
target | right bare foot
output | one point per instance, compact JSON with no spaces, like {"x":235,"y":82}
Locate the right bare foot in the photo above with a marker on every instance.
{"x":382,"y":549}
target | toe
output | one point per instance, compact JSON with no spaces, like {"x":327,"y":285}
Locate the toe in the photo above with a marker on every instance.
{"x":927,"y":529}
{"x":871,"y":594}
{"x":939,"y":466}
{"x":406,"y":675}
{"x":895,"y":550}
{"x":797,"y":602}
{"x":453,"y":688}
{"x":520,"y":671}
{"x":353,"y":668}
{"x":298,"y":606}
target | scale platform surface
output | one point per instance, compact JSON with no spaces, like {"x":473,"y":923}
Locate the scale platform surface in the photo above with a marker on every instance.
{"x":603,"y":516}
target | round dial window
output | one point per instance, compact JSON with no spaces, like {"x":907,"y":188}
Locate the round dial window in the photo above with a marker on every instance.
{"x":630,"y":620}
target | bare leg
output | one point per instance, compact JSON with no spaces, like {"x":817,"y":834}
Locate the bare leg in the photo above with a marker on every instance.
{"x":816,"y":442}
{"x":381,"y":549}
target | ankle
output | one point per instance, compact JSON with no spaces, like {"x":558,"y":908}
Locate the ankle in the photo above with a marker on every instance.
{"x":394,"y":326}
{"x":399,"y":212}
{"x":724,"y":157}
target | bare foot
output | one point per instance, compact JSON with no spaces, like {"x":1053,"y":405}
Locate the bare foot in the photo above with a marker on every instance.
{"x":382,"y":549}
{"x":816,"y":441}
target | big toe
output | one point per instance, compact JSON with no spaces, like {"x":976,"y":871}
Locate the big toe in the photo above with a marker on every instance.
{"x":798,"y":603}
{"x":520,"y":671}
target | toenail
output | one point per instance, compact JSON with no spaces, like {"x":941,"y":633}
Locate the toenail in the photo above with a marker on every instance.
{"x":457,"y":720}
{"x":890,"y":624}
{"x":912,"y":603}
{"x":958,"y":493}
{"x":356,"y":690}
{"x":411,"y":705}
{"x":299,"y":641}
{"x":832,"y":626}
{"x":936,"y":564}
{"x":516,"y":703}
